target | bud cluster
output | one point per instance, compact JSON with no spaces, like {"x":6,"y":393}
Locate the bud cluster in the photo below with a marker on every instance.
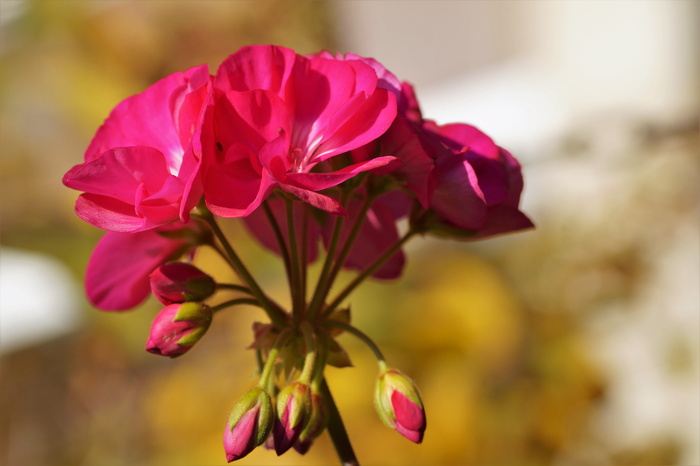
{"x":185,"y":318}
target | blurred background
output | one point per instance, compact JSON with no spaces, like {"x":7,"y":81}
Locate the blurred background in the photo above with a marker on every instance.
{"x":577,"y":343}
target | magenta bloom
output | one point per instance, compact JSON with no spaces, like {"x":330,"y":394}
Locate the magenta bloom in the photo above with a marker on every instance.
{"x":178,"y":282}
{"x":399,"y":405}
{"x":177,"y":328}
{"x":249,"y":424}
{"x":141,"y":169}
{"x":478,"y":184}
{"x":280,"y":118}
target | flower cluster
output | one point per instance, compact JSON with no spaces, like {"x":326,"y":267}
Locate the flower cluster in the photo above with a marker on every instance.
{"x":321,"y":156}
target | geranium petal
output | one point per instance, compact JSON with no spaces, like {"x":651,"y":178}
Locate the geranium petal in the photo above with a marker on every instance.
{"x":117,"y":273}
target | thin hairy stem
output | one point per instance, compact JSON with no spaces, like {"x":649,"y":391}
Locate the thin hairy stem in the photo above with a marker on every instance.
{"x":273,"y":311}
{"x":235,"y":302}
{"x":368,"y":271}
{"x":357,"y":333}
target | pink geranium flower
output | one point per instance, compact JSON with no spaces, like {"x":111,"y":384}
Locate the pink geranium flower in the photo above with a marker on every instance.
{"x":141,"y":168}
{"x":281,"y":118}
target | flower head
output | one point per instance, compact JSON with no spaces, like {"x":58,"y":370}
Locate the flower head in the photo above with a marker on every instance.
{"x":281,"y":118}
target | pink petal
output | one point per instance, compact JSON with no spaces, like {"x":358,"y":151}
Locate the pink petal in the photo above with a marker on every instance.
{"x":117,"y":273}
{"x":317,"y":200}
{"x":460,"y":136}
{"x":412,"y":147}
{"x":410,"y":418}
{"x":318,"y":88}
{"x":119,"y":172}
{"x":457,"y":196}
{"x":240,"y":440}
{"x":256,"y":67}
{"x":252,"y":118}
{"x":146,"y":119}
{"x":109,"y":214}
{"x":321,"y":181}
{"x":346,"y":132}
{"x":118,"y":182}
{"x":236,"y":191}
{"x":503,"y":219}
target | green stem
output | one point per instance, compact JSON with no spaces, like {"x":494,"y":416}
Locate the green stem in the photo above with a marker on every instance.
{"x":280,"y":241}
{"x":337,"y":431}
{"x":235,"y":302}
{"x":295,"y":279}
{"x":347,"y":246}
{"x":233,"y":287}
{"x":271,"y":358}
{"x":310,"y":359}
{"x":359,"y":334}
{"x":321,"y":285}
{"x":304,"y":254}
{"x":368,"y":271}
{"x":273,"y":311}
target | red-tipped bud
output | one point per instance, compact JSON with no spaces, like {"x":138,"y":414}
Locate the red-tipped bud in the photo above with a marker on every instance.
{"x":316,"y":425}
{"x":178,"y":282}
{"x":249,"y":424}
{"x":399,"y":405}
{"x":177,"y":328}
{"x":293,"y":412}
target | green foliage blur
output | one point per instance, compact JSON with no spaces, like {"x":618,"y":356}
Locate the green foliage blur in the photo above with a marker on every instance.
{"x":495,"y":338}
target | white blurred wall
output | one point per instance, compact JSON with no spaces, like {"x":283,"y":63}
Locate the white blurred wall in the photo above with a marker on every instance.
{"x":526,"y":71}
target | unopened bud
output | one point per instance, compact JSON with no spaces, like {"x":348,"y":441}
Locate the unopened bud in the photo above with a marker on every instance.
{"x":399,"y":405}
{"x":315,"y":426}
{"x":177,"y":328}
{"x":178,"y":282}
{"x":249,"y":424}
{"x":293,"y":412}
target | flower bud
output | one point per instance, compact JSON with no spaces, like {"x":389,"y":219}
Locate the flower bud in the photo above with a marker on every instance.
{"x":399,"y":405}
{"x":178,"y":282}
{"x":316,"y":425}
{"x":177,"y":328}
{"x":293,"y":412}
{"x":249,"y":424}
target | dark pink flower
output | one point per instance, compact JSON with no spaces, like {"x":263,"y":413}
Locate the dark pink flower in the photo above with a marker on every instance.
{"x":177,"y":328}
{"x":249,"y":424}
{"x":279,"y":116}
{"x":399,"y":405}
{"x":141,"y":169}
{"x":177,"y":282}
